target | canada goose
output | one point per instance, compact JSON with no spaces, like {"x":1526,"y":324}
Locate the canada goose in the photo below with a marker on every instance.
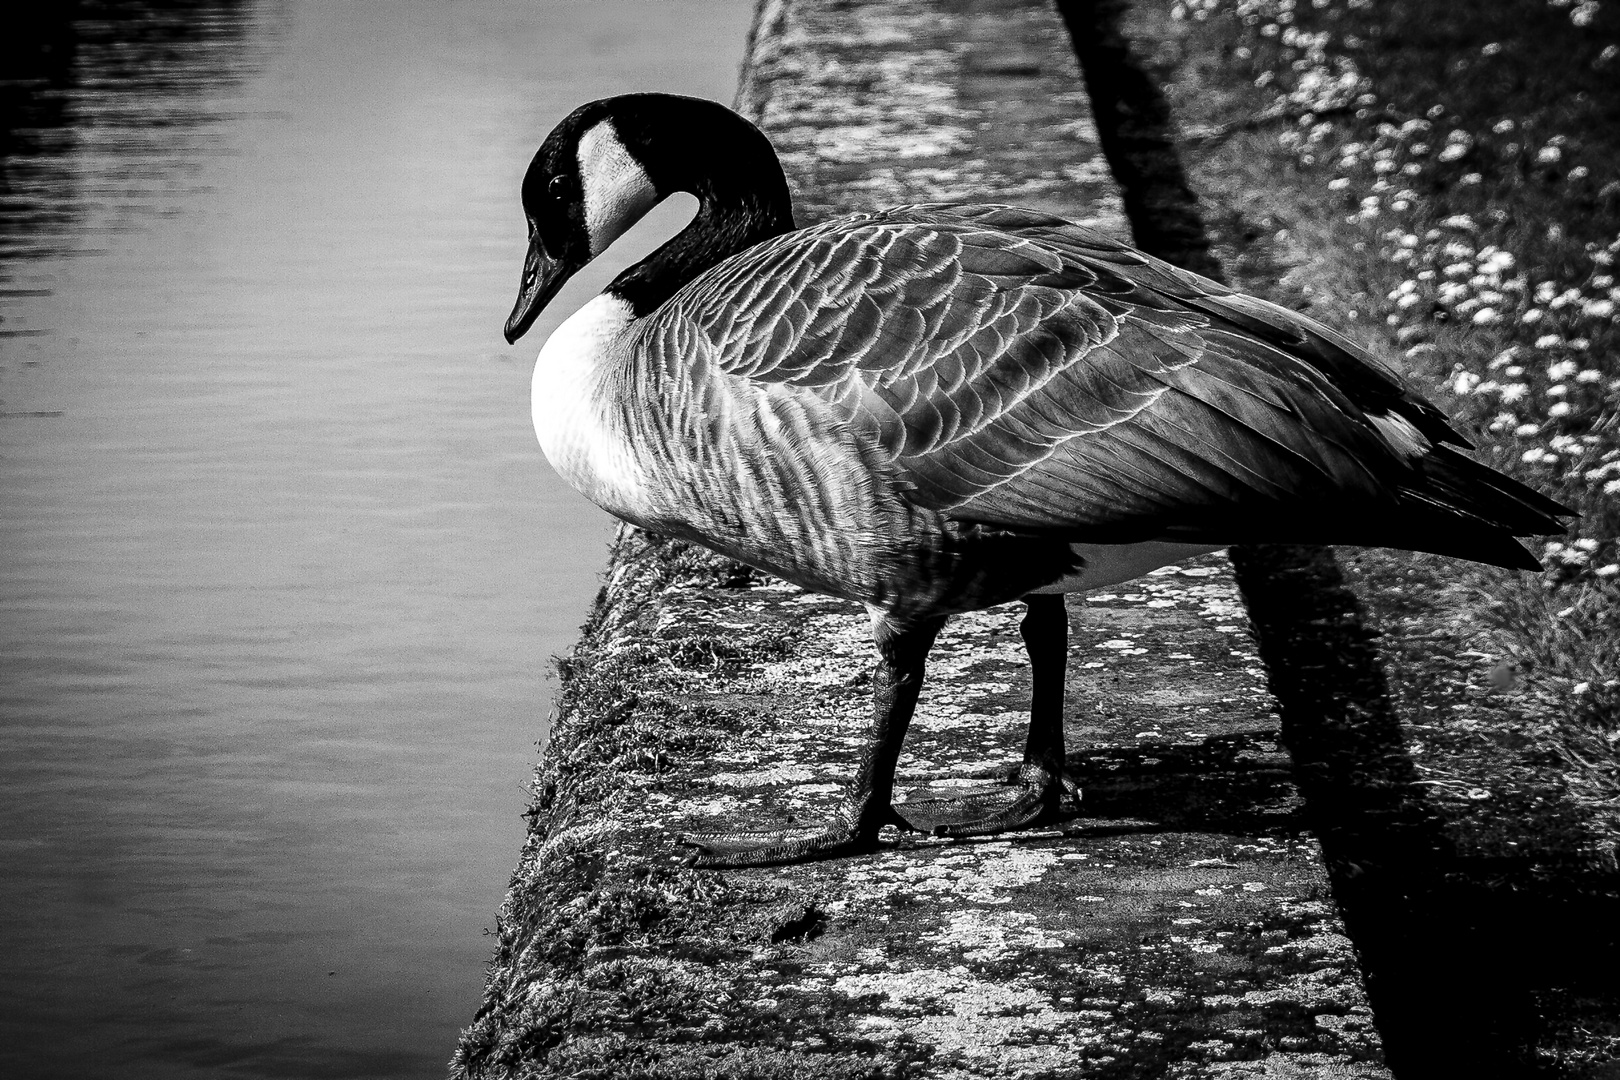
{"x":932,"y":409}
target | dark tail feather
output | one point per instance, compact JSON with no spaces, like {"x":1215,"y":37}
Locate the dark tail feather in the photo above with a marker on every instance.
{"x":1473,"y":512}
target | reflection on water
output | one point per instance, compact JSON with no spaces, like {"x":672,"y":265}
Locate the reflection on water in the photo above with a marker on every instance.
{"x":281,"y":564}
{"x":108,"y":111}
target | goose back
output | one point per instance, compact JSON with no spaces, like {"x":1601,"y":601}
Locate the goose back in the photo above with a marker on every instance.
{"x":999,"y":368}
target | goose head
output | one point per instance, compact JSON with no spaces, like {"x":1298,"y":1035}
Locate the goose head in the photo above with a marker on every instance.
{"x":611,"y":161}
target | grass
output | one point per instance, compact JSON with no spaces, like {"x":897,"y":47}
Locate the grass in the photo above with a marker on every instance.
{"x":1439,"y":181}
{"x":1449,"y":197}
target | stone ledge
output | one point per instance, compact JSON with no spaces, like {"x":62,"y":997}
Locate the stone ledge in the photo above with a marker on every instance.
{"x":1183,"y":927}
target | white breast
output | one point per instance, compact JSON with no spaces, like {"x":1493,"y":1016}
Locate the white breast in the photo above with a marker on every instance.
{"x":572,"y":396}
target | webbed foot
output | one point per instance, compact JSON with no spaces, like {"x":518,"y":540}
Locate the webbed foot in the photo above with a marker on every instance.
{"x":841,"y":836}
{"x":1046,"y":798}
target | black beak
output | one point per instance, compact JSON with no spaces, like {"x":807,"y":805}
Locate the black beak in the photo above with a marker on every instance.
{"x":542,"y":277}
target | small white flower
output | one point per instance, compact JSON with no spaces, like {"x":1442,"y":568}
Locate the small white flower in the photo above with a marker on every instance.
{"x":1558,"y":408}
{"x":1502,"y":127}
{"x":1338,"y":184}
{"x":1548,"y":154}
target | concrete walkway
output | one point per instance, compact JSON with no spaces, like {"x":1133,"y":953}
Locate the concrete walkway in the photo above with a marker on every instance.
{"x":1182,"y":928}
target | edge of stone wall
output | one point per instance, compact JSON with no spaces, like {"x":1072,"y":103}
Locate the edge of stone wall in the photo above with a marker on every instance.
{"x":1183,"y":927}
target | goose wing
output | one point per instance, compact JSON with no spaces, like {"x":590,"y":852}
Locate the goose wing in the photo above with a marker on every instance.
{"x":1023,"y":372}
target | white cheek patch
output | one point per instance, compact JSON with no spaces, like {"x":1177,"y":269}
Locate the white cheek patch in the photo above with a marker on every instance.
{"x":616,"y":189}
{"x":1399,"y":433}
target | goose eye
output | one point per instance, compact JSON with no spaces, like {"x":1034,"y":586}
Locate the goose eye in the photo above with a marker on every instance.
{"x":559,"y":188}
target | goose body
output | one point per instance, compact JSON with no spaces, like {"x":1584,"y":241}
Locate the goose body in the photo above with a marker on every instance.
{"x":937,"y":408}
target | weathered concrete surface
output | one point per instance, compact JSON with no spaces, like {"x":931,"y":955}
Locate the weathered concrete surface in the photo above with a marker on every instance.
{"x":1183,"y":927}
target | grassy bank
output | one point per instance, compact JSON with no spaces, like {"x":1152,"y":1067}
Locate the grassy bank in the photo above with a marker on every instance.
{"x":1440,"y":181}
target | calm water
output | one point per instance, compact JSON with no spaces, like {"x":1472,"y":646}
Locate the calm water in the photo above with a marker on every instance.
{"x":280,"y":565}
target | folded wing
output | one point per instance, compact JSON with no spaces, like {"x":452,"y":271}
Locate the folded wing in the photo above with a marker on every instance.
{"x":1019,"y":371}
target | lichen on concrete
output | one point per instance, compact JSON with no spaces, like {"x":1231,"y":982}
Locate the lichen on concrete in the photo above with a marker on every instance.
{"x":1181,"y":926}
{"x":1163,"y":928}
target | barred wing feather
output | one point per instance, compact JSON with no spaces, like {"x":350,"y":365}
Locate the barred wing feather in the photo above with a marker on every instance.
{"x":1019,"y":371}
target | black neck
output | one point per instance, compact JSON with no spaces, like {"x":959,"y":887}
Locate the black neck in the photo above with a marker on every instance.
{"x":716,"y":233}
{"x":733,"y":171}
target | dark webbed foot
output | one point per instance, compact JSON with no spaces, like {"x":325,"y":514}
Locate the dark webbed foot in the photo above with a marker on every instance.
{"x":838,"y":838}
{"x":867,"y":807}
{"x":1048,"y":794}
{"x":1045,"y":799}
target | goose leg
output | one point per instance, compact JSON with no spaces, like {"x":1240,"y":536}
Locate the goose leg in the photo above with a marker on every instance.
{"x":1044,"y":784}
{"x":868,"y":803}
